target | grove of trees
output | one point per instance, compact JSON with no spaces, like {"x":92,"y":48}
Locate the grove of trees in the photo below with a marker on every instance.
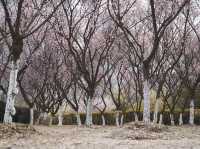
{"x":99,"y":55}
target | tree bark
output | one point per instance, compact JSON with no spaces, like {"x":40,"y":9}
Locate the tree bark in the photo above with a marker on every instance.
{"x":89,"y":113}
{"x":181,"y":119}
{"x":191,"y":121}
{"x":78,"y":119}
{"x":31,"y":116}
{"x":146,"y":112}
{"x":103,"y":120}
{"x":12,"y":92}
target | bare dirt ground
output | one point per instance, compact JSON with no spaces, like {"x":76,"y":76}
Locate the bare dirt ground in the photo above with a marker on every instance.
{"x":130,"y":136}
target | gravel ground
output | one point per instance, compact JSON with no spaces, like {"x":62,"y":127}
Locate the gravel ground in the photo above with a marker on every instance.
{"x":130,"y":136}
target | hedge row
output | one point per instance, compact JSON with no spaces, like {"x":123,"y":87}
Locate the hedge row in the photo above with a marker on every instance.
{"x":70,"y":119}
{"x":22,"y":116}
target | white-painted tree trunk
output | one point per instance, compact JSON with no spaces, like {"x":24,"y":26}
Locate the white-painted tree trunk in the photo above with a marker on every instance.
{"x":181,"y":119}
{"x":136,"y":117}
{"x":50,"y":120}
{"x":31,"y":116}
{"x":172,"y":119}
{"x":146,"y":112}
{"x":38,"y":119}
{"x":160,"y":120}
{"x":61,"y":111}
{"x":117,"y":119}
{"x":156,"y":108}
{"x":191,"y":121}
{"x":60,"y":119}
{"x":78,"y":119}
{"x":122,"y":120}
{"x":103,"y":120}
{"x":89,"y":113}
{"x":12,"y":92}
{"x":44,"y":116}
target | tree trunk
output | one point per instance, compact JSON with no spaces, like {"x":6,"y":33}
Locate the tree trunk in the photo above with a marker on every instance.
{"x":155,"y":116}
{"x":37,"y":122}
{"x":44,"y":116}
{"x":136,"y":117}
{"x":146,"y":112}
{"x":60,"y":119}
{"x":117,"y":119}
{"x":2,"y":96}
{"x":122,"y":120}
{"x":61,"y":111}
{"x":89,"y":113}
{"x":103,"y":120}
{"x":50,"y":120}
{"x":31,"y":116}
{"x":172,"y":119}
{"x":78,"y":119}
{"x":181,"y":119}
{"x":12,"y":92}
{"x":160,"y":120}
{"x":191,"y":121}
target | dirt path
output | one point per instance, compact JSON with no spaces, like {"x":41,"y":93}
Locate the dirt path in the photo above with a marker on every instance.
{"x":128,"y":137}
